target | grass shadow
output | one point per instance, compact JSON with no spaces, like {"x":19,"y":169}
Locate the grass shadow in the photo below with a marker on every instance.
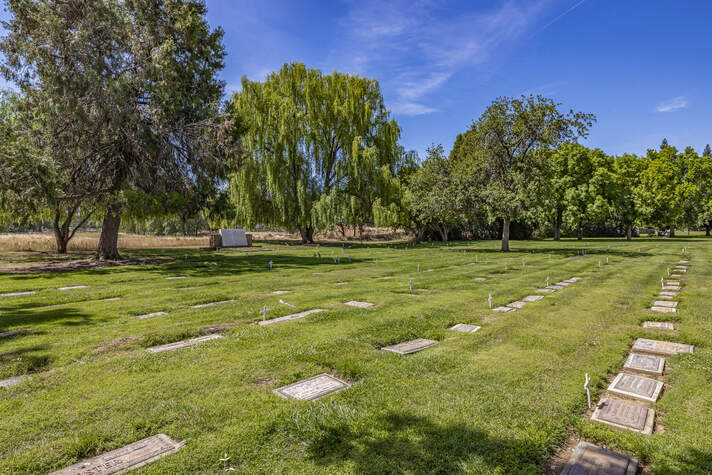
{"x":405,"y":443}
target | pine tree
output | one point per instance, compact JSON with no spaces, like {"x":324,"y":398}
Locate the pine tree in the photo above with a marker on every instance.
{"x":708,"y":151}
{"x":664,"y":144}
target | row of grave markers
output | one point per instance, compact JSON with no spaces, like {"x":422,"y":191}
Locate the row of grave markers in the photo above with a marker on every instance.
{"x":640,"y":381}
{"x":517,"y":304}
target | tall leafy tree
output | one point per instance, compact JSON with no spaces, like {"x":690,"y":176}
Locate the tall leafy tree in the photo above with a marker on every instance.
{"x":588,"y":197}
{"x":319,"y":150}
{"x":436,"y":194}
{"x":34,"y":183}
{"x":507,"y":150}
{"x":132,"y":101}
{"x":707,"y":152}
{"x":627,"y":173}
{"x":700,"y":174}
{"x":659,"y":196}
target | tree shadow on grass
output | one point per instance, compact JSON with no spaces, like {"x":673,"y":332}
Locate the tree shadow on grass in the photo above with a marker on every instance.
{"x":29,"y":359}
{"x":12,"y":317}
{"x":404,"y":443}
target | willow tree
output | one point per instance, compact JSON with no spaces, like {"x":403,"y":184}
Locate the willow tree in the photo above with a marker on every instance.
{"x":126,"y":92}
{"x":319,"y":149}
{"x":507,"y":150}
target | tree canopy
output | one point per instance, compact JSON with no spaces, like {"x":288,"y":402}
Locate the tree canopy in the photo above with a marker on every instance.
{"x":128,"y":104}
{"x":507,"y":150}
{"x":320,"y":149}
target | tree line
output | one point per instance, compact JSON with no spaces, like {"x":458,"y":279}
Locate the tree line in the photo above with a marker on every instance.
{"x":118,"y":116}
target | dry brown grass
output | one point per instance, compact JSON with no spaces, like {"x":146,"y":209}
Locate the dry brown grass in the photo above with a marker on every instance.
{"x":89,"y":241}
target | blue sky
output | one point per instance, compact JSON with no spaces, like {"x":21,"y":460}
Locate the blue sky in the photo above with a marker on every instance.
{"x":643,"y":67}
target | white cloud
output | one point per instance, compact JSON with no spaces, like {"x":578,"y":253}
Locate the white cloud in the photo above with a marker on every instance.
{"x":411,"y":108}
{"x":676,"y":103}
{"x":415,"y":46}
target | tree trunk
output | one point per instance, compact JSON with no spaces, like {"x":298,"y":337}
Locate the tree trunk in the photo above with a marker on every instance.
{"x":557,"y":224}
{"x":505,"y":234}
{"x":63,"y":233}
{"x":628,"y":231}
{"x":442,"y":231}
{"x":707,"y":229}
{"x":672,"y":231}
{"x":580,"y":230}
{"x":109,"y":238}
{"x":419,"y":232}
{"x":60,"y":237}
{"x":307,"y":235}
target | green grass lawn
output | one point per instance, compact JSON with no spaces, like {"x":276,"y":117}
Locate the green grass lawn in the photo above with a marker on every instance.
{"x":502,"y":400}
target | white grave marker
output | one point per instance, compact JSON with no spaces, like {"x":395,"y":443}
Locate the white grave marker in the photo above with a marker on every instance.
{"x":292,"y":317}
{"x":127,"y":458}
{"x":312,"y":388}
{"x":182,"y":344}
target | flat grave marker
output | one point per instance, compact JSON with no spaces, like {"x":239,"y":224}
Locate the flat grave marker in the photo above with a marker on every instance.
{"x":659,"y":347}
{"x":465,"y":328}
{"x":504,"y":309}
{"x":9,"y":382}
{"x":210,"y":304}
{"x":126,"y":458}
{"x":110,"y":299}
{"x":671,"y":287}
{"x":182,"y":344}
{"x":409,"y":347}
{"x":312,"y":388}
{"x":645,"y":363}
{"x":665,"y":297}
{"x":73,"y":287}
{"x":149,"y":315}
{"x":18,"y":294}
{"x":517,"y":304}
{"x":546,"y":291}
{"x":532,"y":298}
{"x":341,"y":283}
{"x":291,"y":317}
{"x":675,"y":276}
{"x":664,"y":303}
{"x":175,"y":277}
{"x":356,"y":303}
{"x":555,"y":287}
{"x":575,"y":279}
{"x":671,"y":294}
{"x":663,"y":309}
{"x":280,"y":292}
{"x":659,"y":325}
{"x":563,"y":283}
{"x":636,"y":386}
{"x":672,"y":282}
{"x":6,"y":334}
{"x":589,"y":459}
{"x":479,"y":279}
{"x":624,"y":415}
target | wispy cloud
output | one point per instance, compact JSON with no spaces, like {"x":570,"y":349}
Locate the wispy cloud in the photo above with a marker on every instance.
{"x":415,"y":47}
{"x":670,"y":105}
{"x":559,"y":17}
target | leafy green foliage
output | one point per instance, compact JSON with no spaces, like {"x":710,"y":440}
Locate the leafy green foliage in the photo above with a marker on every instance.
{"x":506,"y":152}
{"x":320,"y":150}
